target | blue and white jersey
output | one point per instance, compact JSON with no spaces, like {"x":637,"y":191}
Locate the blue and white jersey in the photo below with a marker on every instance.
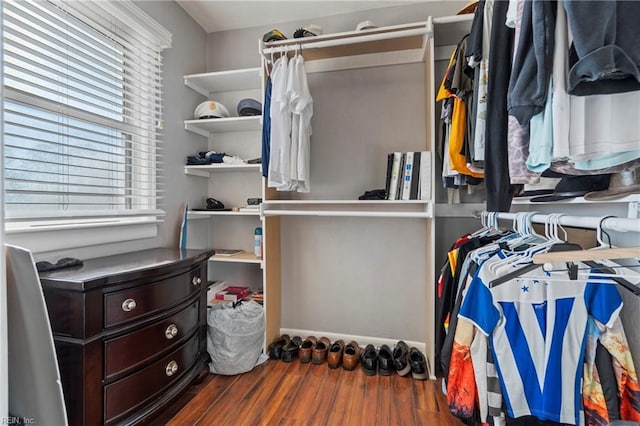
{"x":537,"y":333}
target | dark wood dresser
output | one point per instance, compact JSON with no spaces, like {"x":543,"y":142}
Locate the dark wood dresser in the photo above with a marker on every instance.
{"x":129,"y":331}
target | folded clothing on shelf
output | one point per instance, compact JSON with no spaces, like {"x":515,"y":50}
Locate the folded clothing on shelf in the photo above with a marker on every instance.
{"x":212,"y":157}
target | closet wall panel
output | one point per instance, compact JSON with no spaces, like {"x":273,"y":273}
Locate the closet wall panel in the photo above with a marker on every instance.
{"x":354,"y":276}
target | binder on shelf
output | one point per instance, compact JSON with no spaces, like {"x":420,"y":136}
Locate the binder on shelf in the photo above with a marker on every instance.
{"x":403,"y":160}
{"x":395,"y":176}
{"x":406,"y":178}
{"x":415,"y":176}
{"x":425,"y":176}
{"x":387,"y":185}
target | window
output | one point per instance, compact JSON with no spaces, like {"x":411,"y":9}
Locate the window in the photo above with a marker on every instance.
{"x":82,"y":113}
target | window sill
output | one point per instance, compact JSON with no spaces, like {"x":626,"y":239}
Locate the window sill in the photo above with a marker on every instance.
{"x":61,"y":235}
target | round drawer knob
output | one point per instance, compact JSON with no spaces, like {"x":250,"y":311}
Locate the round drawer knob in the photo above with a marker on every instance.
{"x":171,"y":368}
{"x":196,"y":281}
{"x":171,"y":331}
{"x":129,"y":305}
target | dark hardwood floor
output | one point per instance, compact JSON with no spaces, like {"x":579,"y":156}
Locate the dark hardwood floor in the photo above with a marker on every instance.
{"x":279,"y":393}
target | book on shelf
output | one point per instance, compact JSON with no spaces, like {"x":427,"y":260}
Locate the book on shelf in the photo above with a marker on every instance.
{"x":424,"y":191}
{"x":387,"y":184}
{"x":408,"y":175}
{"x":415,"y":176}
{"x":233,"y":293}
{"x":394,"y":176}
{"x":227,"y":252}
{"x":214,"y":287}
{"x":406,"y":179}
{"x":257,"y":296}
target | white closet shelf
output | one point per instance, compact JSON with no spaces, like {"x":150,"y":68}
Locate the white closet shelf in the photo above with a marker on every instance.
{"x":345,"y":208}
{"x":354,"y":202}
{"x":238,"y":258}
{"x":224,"y":81}
{"x":200,"y":214}
{"x":223,"y":125}
{"x":392,"y":45}
{"x":205,"y":171}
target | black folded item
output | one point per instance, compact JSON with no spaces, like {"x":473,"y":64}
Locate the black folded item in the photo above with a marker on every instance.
{"x":213,"y":204}
{"x":65,"y":262}
{"x":376,"y":194}
{"x":254,"y":201}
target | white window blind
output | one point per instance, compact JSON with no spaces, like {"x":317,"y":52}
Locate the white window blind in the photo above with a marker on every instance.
{"x":82,"y":111}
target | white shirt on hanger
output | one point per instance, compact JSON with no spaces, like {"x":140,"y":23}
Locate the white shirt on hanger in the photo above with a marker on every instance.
{"x":301,"y":106}
{"x":279,"y":161}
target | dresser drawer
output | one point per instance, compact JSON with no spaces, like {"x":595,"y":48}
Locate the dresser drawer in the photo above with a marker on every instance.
{"x":131,"y":392}
{"x":127,"y":305}
{"x":130,"y":351}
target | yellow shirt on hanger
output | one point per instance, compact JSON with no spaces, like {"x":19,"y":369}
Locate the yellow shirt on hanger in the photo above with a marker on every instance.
{"x":458,"y":128}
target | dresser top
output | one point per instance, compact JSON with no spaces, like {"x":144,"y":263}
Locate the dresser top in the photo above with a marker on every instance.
{"x":101,"y":271}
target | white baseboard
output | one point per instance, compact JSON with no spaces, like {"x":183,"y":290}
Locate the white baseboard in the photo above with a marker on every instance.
{"x":362,"y":340}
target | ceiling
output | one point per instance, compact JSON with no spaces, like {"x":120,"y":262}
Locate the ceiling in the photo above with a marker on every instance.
{"x":222,"y":15}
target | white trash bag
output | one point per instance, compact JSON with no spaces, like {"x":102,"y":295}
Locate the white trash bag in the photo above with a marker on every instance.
{"x":234,"y":337}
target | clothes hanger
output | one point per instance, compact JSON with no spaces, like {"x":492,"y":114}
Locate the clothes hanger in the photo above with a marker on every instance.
{"x":554,"y":244}
{"x":597,"y":278}
{"x":586,"y":255}
{"x":604,"y":252}
{"x":523,"y":225}
{"x":484,"y":217}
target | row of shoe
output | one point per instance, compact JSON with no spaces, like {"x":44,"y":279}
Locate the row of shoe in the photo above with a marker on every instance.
{"x":384,"y":361}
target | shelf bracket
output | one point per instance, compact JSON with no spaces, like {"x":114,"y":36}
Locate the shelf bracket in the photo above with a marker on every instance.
{"x":195,"y":129}
{"x":199,"y":173}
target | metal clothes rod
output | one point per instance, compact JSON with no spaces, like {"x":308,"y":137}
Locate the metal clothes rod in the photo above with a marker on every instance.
{"x":589,"y":222}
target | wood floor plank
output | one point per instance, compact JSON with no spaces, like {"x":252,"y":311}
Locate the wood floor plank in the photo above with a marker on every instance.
{"x":358,"y":397}
{"x":293,"y":394}
{"x":348,"y":383}
{"x":425,"y":394}
{"x":377,"y":411}
{"x":256,"y":403}
{"x":203,"y":400}
{"x":286,"y":391}
{"x":226,"y":405}
{"x":315,"y":395}
{"x":401,"y":411}
{"x":369,"y":406}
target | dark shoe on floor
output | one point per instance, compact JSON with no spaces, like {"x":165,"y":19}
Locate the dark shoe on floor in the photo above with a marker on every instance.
{"x":401,"y":358}
{"x":369,"y":360}
{"x":351,"y":356}
{"x":385,"y":361}
{"x":334,"y":357}
{"x":290,"y":350}
{"x":306,"y":349}
{"x":319,"y":353}
{"x":419,"y":369}
{"x":275,"y":348}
